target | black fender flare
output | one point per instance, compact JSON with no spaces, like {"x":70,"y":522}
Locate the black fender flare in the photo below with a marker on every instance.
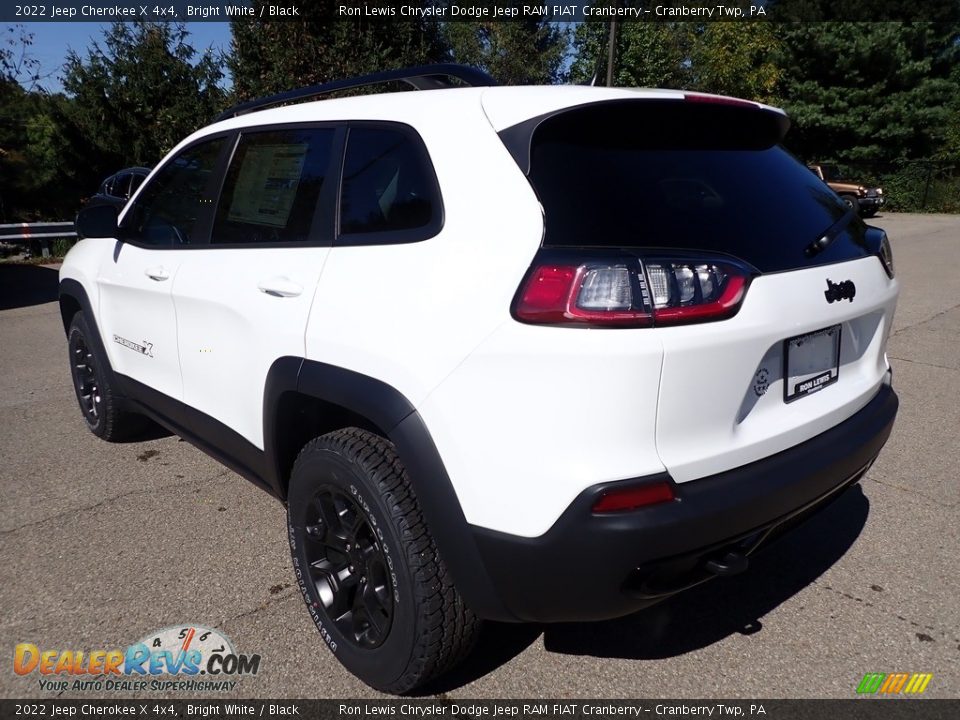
{"x":393,"y":413}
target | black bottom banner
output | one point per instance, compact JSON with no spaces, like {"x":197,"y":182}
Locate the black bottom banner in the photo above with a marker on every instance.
{"x":859,"y":709}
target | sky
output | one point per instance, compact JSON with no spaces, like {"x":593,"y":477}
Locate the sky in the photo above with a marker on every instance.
{"x":52,"y":40}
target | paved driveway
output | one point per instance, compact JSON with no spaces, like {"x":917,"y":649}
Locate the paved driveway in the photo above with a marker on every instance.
{"x":101,"y":544}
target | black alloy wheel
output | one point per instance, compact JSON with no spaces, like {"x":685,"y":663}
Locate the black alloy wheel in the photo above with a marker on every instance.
{"x":348,"y":568}
{"x":103,"y":410}
{"x":85,"y":378}
{"x":367,"y":567}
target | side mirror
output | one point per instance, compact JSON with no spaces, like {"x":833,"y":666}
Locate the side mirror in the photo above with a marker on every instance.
{"x":99,"y":221}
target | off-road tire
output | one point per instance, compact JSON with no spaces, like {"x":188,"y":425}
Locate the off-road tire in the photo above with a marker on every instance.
{"x":92,"y":379}
{"x":431,"y":628}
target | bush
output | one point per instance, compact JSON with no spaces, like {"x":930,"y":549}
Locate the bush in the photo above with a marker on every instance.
{"x":60,"y":246}
{"x":911,"y":186}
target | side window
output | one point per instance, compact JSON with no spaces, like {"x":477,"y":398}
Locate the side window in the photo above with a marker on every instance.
{"x":388,"y":185}
{"x":121,"y":185}
{"x":136,"y":180}
{"x":106,"y":187}
{"x":167,"y":210}
{"x":272,"y":187}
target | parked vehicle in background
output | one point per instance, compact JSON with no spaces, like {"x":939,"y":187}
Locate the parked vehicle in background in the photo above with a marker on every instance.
{"x":119,"y":187}
{"x":865,"y":200}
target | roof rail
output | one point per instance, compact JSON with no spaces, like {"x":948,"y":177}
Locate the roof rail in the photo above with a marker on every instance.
{"x":425,"y":77}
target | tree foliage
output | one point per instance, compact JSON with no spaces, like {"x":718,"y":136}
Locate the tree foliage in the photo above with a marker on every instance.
{"x":128,"y":101}
{"x":727,"y":58}
{"x":17,"y":64}
{"x":870,"y":91}
{"x":647,"y":54}
{"x":269,"y":57}
{"x":522,"y":52}
{"x":736,"y":58}
{"x":141,"y":92}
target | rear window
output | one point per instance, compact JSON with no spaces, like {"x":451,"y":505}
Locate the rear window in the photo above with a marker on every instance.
{"x":682,"y":175}
{"x":389,"y":191}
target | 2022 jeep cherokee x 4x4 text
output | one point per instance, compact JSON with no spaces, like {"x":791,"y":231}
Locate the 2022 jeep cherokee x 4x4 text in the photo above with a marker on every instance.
{"x":519,"y":353}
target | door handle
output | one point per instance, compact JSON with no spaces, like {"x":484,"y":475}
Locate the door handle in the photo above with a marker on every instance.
{"x":280,"y":287}
{"x":157,"y":273}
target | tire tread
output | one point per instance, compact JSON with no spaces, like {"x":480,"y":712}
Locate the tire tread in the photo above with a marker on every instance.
{"x":447,"y":628}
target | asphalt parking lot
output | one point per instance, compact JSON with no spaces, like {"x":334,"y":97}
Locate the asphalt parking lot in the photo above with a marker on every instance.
{"x":101,"y":544}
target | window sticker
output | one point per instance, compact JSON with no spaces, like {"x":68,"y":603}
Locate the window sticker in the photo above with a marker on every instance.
{"x":267,"y":184}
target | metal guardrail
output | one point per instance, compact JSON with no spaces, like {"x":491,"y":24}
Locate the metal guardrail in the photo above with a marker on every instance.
{"x":41,"y":232}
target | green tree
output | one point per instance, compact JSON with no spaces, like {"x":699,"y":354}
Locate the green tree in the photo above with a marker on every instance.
{"x":269,"y":57}
{"x":17,"y":64}
{"x":950,"y":149}
{"x":25,"y":177}
{"x":140,"y":93}
{"x":647,"y":54}
{"x":727,"y":58}
{"x":520,"y":52}
{"x":736,"y":58}
{"x":870,"y":91}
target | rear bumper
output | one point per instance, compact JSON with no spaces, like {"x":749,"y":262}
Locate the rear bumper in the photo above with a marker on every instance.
{"x":593,"y":567}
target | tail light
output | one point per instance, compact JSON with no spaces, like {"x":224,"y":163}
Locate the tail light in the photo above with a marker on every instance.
{"x":627,"y":291}
{"x":886,"y":255}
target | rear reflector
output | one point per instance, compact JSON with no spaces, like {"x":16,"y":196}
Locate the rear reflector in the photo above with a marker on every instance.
{"x":631,"y":498}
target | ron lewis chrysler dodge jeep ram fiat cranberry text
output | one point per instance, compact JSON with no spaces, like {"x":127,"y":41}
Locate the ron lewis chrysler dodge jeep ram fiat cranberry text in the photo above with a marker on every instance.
{"x":519,"y":353}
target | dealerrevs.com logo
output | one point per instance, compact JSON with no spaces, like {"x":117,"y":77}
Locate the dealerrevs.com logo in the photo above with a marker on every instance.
{"x":189,"y":658}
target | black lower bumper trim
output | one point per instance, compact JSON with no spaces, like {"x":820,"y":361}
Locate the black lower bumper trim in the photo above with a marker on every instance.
{"x":593,"y":567}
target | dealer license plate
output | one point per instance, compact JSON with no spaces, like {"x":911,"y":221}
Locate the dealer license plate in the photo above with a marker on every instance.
{"x":811,"y":362}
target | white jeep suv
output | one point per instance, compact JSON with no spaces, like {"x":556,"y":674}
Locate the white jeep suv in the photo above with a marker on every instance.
{"x":531,"y":354}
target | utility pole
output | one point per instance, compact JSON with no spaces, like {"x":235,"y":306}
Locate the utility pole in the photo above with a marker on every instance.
{"x":611,"y":51}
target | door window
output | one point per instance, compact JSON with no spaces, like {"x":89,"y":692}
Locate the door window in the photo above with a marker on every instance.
{"x":167,"y":210}
{"x":272,"y":187}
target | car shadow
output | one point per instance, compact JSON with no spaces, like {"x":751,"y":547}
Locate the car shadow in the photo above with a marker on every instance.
{"x":726,"y":606}
{"x":722,"y":607}
{"x":499,"y":643}
{"x":27,"y":285}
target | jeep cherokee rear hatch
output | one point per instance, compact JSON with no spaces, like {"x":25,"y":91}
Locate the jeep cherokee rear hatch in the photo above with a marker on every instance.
{"x":685,"y":218}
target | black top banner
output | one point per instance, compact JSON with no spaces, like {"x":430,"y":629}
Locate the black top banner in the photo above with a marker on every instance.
{"x":481,"y":10}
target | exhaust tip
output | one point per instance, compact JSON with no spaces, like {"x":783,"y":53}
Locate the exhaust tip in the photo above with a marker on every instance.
{"x":732,"y":563}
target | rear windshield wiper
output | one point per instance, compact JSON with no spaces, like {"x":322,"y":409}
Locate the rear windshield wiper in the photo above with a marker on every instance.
{"x":821,"y":243}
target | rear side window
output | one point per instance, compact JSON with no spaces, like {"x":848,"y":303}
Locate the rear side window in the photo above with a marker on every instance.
{"x":167,"y":210}
{"x":273,"y":185}
{"x":389,"y":190}
{"x":681,"y":175}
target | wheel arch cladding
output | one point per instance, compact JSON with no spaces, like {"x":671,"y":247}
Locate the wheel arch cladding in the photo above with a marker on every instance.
{"x":306,"y":396}
{"x":73,"y":299}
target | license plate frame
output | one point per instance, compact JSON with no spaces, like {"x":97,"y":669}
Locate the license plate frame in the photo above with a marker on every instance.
{"x":815,"y":367}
